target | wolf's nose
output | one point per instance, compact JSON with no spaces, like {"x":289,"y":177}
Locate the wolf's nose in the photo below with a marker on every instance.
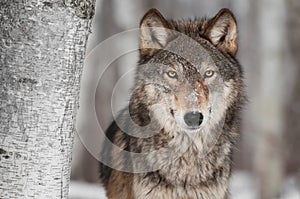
{"x":193,"y":119}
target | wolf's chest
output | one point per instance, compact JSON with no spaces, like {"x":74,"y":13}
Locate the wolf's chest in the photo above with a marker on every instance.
{"x":143,"y":189}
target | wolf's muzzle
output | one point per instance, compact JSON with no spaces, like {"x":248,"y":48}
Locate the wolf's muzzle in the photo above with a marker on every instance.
{"x":193,"y":119}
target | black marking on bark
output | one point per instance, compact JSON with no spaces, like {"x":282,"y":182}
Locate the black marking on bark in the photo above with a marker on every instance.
{"x":26,"y":80}
{"x":2,"y":151}
{"x":48,"y":4}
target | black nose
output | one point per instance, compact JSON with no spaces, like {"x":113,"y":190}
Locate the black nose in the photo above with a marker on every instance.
{"x":193,"y":119}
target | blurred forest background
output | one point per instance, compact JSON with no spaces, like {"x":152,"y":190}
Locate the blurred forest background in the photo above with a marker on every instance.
{"x":267,"y":157}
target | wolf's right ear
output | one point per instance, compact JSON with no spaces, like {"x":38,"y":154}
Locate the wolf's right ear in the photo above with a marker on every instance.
{"x":155,"y":32}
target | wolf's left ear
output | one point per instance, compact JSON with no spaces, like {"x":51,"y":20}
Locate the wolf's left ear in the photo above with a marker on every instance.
{"x":222,"y":31}
{"x":155,"y":32}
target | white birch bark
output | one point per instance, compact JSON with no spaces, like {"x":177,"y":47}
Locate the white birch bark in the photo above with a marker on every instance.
{"x":42,"y":47}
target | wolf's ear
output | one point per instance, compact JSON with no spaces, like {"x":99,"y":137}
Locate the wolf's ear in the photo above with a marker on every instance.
{"x":155,"y":32}
{"x":222,"y":31}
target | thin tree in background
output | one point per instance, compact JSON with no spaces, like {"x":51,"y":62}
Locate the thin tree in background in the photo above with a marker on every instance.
{"x":269,"y":164}
{"x":292,"y":127}
{"x":42,"y":48}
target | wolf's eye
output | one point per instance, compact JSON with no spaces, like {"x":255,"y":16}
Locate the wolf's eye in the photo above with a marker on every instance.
{"x":172,"y":74}
{"x":209,"y":73}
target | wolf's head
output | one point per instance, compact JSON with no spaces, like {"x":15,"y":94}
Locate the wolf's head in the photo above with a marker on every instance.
{"x":188,"y":72}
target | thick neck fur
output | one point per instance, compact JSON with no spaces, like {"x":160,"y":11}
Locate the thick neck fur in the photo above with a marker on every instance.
{"x":189,"y":169}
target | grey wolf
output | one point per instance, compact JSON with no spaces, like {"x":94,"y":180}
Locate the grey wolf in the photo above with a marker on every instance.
{"x":184,"y":112}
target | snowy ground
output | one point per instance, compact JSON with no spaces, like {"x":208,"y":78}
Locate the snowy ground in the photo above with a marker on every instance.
{"x":243,"y":186}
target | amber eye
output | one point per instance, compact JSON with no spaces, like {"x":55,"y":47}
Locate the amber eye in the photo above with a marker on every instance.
{"x":172,"y":74}
{"x":209,"y":73}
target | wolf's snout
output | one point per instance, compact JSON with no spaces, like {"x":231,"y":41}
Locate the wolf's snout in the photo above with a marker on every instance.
{"x":193,"y":119}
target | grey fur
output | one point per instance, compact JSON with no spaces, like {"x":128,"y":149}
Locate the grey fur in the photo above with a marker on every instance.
{"x":191,"y":163}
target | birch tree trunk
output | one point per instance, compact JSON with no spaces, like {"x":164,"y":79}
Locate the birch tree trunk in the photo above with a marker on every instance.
{"x":42,"y":47}
{"x":269,"y":104}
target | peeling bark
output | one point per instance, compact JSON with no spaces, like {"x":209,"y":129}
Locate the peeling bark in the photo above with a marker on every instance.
{"x":42,"y":47}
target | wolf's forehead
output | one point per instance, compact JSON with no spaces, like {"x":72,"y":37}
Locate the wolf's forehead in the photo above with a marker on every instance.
{"x":191,"y":51}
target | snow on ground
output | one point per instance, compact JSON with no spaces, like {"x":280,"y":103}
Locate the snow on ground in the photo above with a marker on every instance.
{"x":291,"y":189}
{"x":243,"y":186}
{"x":83,"y":190}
